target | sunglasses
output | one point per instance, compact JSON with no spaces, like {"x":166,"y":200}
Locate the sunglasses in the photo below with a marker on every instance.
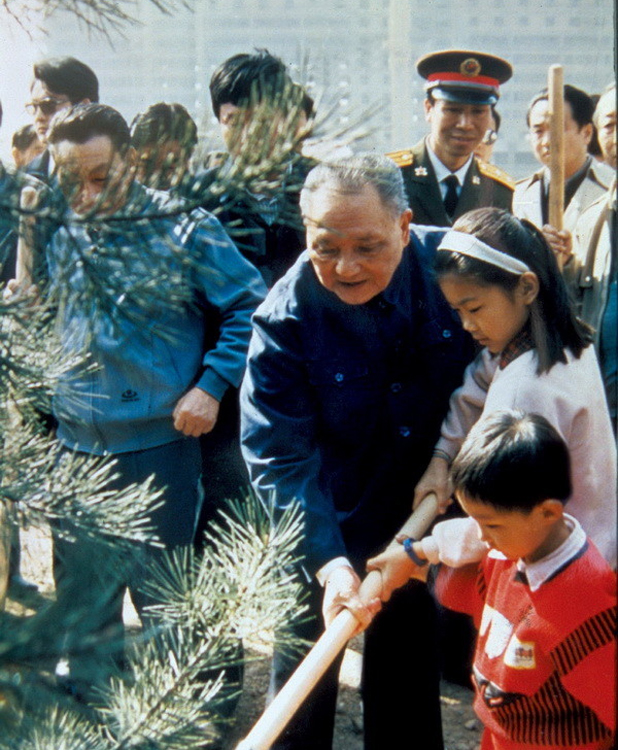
{"x":47,"y":106}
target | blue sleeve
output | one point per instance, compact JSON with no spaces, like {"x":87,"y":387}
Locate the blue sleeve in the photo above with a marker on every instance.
{"x":278,"y":430}
{"x":234,"y":287}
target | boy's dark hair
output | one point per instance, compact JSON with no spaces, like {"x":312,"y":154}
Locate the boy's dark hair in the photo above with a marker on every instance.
{"x":554,"y":325}
{"x":85,"y":121}
{"x":513,"y":461}
{"x":582,"y":105}
{"x":69,"y":77}
{"x":164,"y":122}
{"x":24,"y":137}
{"x":248,"y":78}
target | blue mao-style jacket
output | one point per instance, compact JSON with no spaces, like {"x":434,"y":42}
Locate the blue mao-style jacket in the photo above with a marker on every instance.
{"x":342,"y":404}
{"x":141,"y":294}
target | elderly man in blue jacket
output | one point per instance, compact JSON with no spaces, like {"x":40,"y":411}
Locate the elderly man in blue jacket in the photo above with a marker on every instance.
{"x":353,"y":356}
{"x":138,"y":284}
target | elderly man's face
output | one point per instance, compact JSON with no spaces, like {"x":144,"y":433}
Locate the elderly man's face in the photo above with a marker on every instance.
{"x":605,"y":118}
{"x":94,"y":177}
{"x":355,"y":242}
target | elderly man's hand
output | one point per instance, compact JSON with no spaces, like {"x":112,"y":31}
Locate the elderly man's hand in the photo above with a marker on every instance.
{"x":196,"y":413}
{"x":341,"y":592}
{"x":560,"y":241}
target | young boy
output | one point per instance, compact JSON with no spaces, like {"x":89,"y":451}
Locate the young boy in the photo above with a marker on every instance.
{"x":543,"y":598}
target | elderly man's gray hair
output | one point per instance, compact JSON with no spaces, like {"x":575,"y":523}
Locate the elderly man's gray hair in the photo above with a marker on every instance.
{"x":350,"y":175}
{"x":609,"y":89}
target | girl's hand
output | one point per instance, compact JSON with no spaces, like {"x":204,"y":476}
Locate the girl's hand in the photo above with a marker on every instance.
{"x":435,"y":479}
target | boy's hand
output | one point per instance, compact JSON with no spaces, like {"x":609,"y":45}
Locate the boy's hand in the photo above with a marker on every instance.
{"x":396,"y":569}
{"x":341,"y":592}
{"x":436,"y":480}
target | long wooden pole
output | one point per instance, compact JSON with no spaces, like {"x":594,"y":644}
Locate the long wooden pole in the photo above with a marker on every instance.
{"x":23,"y":267}
{"x":285,"y":704}
{"x":556,"y":149}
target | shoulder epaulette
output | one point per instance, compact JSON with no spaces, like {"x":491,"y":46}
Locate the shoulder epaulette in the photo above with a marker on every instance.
{"x":495,"y":173}
{"x":403,"y":158}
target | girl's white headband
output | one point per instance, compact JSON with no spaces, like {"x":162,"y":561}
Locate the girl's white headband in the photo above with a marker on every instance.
{"x":467,"y":244}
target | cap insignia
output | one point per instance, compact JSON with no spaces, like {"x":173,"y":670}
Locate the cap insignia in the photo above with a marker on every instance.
{"x":470,"y":67}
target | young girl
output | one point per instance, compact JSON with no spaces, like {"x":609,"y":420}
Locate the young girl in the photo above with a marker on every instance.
{"x":501,"y":277}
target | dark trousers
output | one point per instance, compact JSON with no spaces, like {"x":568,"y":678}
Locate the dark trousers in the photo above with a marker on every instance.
{"x":91,"y":577}
{"x":400,"y":686}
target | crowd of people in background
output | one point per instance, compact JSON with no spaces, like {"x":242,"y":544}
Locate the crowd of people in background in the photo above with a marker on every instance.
{"x":351,"y":334}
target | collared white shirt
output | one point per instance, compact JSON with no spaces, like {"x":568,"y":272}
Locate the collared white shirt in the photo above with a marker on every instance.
{"x":442,"y":172}
{"x":538,"y":572}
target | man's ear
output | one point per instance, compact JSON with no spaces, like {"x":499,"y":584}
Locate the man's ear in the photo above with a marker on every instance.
{"x":404,"y":223}
{"x":587,"y":131}
{"x":130,"y":158}
{"x":428,"y":107}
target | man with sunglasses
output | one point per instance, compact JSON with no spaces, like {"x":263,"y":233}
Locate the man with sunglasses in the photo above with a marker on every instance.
{"x":59,"y":83}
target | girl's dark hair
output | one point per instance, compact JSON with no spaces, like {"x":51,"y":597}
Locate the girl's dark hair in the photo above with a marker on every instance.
{"x":554,"y":325}
{"x":513,"y":461}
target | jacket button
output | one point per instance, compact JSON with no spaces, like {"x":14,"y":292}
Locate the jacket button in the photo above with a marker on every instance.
{"x":339,"y":377}
{"x":395,"y":387}
{"x":446,"y":334}
{"x":404,"y":431}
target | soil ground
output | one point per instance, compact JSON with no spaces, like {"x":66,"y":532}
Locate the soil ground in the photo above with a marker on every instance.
{"x":461,"y":728}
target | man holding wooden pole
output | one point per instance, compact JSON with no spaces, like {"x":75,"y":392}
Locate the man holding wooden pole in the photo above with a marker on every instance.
{"x":353,"y":357}
{"x":560,"y":132}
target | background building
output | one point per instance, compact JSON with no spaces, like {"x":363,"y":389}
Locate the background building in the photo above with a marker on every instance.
{"x":355,"y":56}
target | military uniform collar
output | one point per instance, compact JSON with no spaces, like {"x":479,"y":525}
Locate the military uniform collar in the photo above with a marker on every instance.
{"x":443,"y":171}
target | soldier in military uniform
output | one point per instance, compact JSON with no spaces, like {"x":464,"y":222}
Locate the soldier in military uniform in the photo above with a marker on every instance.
{"x":442,"y":176}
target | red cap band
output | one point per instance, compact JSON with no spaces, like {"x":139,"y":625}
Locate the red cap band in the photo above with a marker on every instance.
{"x":459,"y":78}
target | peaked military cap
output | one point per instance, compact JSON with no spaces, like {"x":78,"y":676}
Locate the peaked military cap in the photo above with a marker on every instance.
{"x":464,"y":76}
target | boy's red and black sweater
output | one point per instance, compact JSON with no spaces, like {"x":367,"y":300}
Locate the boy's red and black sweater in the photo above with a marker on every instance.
{"x":545,"y":662}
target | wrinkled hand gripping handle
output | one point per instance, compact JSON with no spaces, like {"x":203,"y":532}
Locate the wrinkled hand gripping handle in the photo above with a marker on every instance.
{"x":276,"y":716}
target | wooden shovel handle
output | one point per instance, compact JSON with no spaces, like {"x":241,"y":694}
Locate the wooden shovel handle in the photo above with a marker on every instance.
{"x":285,"y":704}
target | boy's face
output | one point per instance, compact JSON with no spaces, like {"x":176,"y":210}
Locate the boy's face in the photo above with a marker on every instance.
{"x":94,"y":177}
{"x":515,"y":533}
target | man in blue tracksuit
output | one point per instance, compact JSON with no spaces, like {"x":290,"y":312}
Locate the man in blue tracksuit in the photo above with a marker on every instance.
{"x":137,"y":283}
{"x":352,"y":360}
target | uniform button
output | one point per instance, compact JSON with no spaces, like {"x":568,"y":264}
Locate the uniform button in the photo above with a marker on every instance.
{"x":339,"y":377}
{"x":395,"y":387}
{"x":446,"y":334}
{"x":404,"y":431}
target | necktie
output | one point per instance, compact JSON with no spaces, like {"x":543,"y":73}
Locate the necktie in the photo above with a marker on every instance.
{"x":451,"y":197}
